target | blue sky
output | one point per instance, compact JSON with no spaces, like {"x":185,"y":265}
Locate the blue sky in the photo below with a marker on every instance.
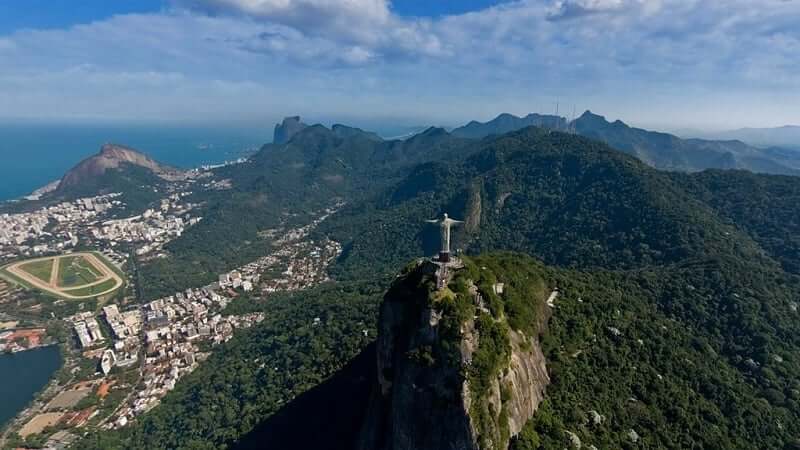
{"x":17,"y":14}
{"x":660,"y":63}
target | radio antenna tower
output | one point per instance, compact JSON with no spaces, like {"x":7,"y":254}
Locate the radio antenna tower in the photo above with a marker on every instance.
{"x":555,"y":128}
{"x":571,"y":125}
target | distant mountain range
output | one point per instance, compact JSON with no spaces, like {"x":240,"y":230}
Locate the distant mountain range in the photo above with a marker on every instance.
{"x":353,"y":158}
{"x":675,"y":325}
{"x":660,"y":150}
{"x":342,"y":158}
{"x":676,"y":311}
{"x":787,"y":136}
{"x":505,"y":123}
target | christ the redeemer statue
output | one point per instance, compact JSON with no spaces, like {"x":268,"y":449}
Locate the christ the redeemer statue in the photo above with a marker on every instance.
{"x":445,"y":223}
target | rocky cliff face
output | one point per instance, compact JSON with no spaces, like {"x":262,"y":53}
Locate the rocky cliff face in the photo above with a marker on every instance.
{"x":286,"y":129}
{"x":112,"y":156}
{"x":472,"y":219}
{"x":525,"y":379}
{"x":430,"y":346}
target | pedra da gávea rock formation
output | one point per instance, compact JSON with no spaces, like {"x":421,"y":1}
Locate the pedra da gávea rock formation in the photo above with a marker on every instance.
{"x":286,"y":129}
{"x":452,"y":373}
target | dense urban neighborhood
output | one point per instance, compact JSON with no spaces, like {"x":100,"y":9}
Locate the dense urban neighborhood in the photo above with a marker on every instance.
{"x":121,"y":356}
{"x":88,"y":222}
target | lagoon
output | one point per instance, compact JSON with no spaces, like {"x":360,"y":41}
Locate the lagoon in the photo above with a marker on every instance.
{"x":23,"y":375}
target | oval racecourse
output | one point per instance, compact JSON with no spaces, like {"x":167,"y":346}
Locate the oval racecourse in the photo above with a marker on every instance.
{"x":72,"y":276}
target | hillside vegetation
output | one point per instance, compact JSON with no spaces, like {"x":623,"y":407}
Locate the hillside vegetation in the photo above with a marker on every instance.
{"x":660,"y":150}
{"x":676,"y":324}
{"x":285,"y":185}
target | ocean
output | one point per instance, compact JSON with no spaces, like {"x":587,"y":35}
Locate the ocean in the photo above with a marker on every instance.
{"x":24,"y":374}
{"x":32,"y":155}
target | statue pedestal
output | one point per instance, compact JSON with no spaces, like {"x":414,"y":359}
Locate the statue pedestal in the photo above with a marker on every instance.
{"x":445,"y":265}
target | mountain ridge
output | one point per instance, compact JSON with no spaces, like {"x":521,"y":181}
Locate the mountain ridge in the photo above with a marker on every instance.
{"x":674,"y":294}
{"x":661,"y":150}
{"x":669,"y":152}
{"x":786,"y":136}
{"x":506,"y":122}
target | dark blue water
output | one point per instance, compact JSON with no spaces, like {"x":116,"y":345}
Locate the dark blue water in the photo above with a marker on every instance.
{"x":22,"y":375}
{"x":32,"y":155}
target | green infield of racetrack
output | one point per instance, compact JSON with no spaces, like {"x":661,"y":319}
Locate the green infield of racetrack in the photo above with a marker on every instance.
{"x":13,"y":279}
{"x":76,"y":271}
{"x":39,"y":269}
{"x":93,"y":290}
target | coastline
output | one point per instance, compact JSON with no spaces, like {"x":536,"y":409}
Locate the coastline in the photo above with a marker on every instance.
{"x":51,"y":149}
{"x":51,"y":186}
{"x":36,"y":381}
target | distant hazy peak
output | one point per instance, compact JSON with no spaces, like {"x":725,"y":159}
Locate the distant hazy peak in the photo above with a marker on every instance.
{"x":589,"y":116}
{"x":345,"y":131}
{"x":787,"y":136}
{"x":503,"y":116}
{"x":286,"y":129}
{"x":669,"y":152}
{"x":434,"y":131}
{"x":505,"y":123}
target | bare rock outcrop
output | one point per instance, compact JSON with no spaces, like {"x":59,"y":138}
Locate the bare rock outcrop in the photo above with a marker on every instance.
{"x":112,"y":156}
{"x":422,"y":398}
{"x":474,"y":207}
{"x":526,"y":379}
{"x":286,"y":129}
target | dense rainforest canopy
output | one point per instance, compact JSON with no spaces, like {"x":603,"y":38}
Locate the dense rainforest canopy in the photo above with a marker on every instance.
{"x":676,"y":326}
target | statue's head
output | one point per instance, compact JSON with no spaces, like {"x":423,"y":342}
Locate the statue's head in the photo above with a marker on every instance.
{"x":445,"y":215}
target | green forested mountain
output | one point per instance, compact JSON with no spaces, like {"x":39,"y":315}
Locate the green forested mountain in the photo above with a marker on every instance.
{"x":115,"y":168}
{"x":319,"y":162}
{"x":569,"y":200}
{"x":669,"y":152}
{"x":506,"y":123}
{"x":262,"y":371}
{"x":141,"y":187}
{"x":661,"y":150}
{"x":320,"y":165}
{"x":647,"y":352}
{"x":681,"y":256}
{"x":765,"y":207}
{"x":282,"y":185}
{"x":676,"y":324}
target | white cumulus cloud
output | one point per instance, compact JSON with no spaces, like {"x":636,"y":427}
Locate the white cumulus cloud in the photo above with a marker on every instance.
{"x":692,"y":60}
{"x":352,"y":20}
{"x":565,"y":9}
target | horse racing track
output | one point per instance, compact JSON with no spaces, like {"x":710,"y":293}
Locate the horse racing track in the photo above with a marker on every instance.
{"x":73,"y":276}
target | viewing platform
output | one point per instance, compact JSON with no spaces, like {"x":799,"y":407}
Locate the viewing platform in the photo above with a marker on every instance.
{"x":445,"y":268}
